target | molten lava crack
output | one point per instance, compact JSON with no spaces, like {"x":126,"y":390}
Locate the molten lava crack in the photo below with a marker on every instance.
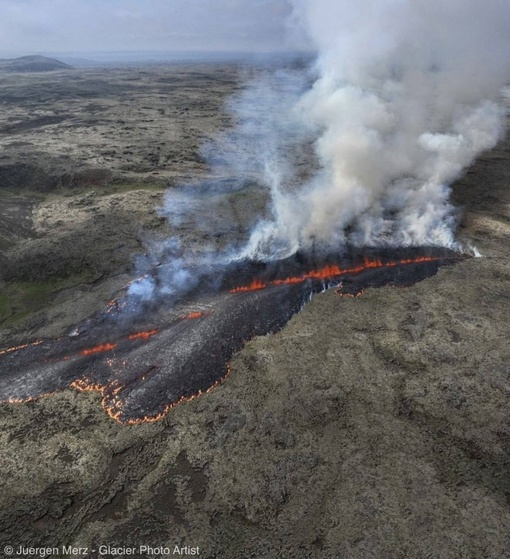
{"x":331,"y":272}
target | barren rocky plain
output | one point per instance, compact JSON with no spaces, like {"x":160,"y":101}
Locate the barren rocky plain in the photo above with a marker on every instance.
{"x":374,"y":427}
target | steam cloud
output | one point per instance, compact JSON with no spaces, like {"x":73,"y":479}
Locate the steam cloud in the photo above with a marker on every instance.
{"x":360,"y":151}
{"x":406,"y":98}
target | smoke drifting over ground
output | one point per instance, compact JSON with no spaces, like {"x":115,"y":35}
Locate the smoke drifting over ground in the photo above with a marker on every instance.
{"x":361,"y":149}
{"x":404,"y":101}
{"x":262,"y":149}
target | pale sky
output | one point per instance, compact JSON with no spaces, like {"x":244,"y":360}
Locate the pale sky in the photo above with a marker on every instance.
{"x":29,"y":26}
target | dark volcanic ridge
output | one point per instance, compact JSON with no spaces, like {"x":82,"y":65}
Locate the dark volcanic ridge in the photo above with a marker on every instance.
{"x":33,"y":63}
{"x":145,"y":358}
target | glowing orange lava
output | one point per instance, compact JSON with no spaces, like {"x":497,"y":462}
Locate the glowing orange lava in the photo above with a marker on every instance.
{"x":329,"y":272}
{"x":17,"y":348}
{"x":111,"y":401}
{"x":255,"y":285}
{"x":143,"y":335}
{"x":112,"y":404}
{"x":26,"y":400}
{"x":194,"y":315}
{"x":98,"y":349}
{"x":352,"y":295}
{"x":181,"y":400}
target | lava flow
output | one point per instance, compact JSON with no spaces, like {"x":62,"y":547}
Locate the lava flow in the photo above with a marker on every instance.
{"x":172,"y":359}
{"x":143,"y":335}
{"x":19,"y":347}
{"x":98,"y":349}
{"x":193,"y":315}
{"x":113,"y":406}
{"x":332,"y":271}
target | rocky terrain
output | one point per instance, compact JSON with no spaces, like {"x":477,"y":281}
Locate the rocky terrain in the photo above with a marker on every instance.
{"x":374,"y":427}
{"x":85,"y":157}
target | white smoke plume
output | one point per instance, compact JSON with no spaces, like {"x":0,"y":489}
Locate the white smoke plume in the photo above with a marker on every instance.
{"x":405,"y":100}
{"x":200,"y":211}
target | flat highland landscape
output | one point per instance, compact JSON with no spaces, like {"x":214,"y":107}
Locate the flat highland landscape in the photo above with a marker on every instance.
{"x":85,"y":158}
{"x":365,"y":427}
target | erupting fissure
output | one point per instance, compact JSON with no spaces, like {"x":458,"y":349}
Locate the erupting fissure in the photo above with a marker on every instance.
{"x":332,"y":271}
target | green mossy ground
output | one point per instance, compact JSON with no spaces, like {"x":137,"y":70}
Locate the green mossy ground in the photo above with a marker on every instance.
{"x":19,"y":300}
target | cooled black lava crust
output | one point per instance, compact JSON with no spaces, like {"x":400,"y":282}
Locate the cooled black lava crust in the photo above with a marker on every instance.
{"x":184,"y":354}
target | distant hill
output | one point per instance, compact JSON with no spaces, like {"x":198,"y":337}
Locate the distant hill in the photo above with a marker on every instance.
{"x":31,"y":64}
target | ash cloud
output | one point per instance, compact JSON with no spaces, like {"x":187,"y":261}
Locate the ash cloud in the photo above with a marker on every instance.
{"x":405,"y":100}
